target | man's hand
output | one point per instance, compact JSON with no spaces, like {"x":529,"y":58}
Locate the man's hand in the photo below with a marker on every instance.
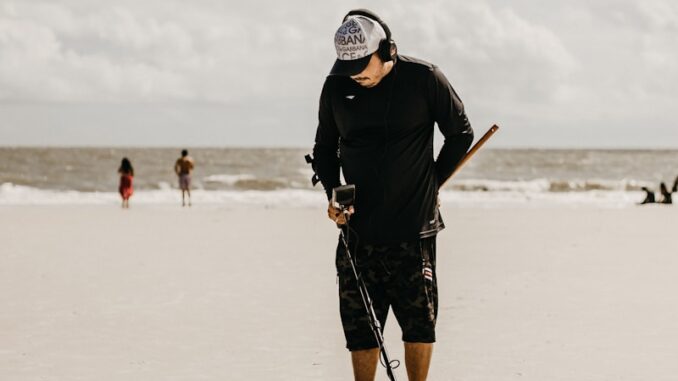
{"x":336,"y":215}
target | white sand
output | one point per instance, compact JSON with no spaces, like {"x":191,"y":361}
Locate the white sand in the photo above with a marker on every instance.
{"x":160,"y":293}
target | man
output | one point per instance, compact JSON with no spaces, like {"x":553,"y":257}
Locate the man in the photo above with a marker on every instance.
{"x":376,"y":122}
{"x":183,"y":168}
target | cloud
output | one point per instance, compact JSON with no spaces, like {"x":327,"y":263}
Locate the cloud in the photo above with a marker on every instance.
{"x":119,"y":52}
{"x":501,"y":63}
{"x":50,"y":54}
{"x":574,"y":66}
{"x":126,"y":53}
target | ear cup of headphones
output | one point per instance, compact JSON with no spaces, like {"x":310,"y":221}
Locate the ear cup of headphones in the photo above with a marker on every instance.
{"x":387,"y":50}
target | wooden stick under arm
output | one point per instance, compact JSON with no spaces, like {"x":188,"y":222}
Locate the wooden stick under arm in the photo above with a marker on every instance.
{"x":472,"y":151}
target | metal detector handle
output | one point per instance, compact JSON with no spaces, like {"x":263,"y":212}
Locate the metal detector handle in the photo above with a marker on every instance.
{"x":472,"y":151}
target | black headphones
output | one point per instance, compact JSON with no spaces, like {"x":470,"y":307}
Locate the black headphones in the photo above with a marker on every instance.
{"x":387,"y":47}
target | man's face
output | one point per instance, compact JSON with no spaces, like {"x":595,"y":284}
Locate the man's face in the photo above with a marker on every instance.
{"x":373,"y":73}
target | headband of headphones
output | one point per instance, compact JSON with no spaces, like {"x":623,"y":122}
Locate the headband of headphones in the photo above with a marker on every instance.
{"x":387,"y":47}
{"x":371,"y":15}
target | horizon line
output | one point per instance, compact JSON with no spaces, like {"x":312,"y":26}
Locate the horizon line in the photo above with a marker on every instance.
{"x":310,"y":147}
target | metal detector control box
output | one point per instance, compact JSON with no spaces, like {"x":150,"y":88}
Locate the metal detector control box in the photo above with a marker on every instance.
{"x":343,"y":196}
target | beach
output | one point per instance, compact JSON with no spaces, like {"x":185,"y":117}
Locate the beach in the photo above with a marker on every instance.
{"x":157,"y":292}
{"x":559,"y":257}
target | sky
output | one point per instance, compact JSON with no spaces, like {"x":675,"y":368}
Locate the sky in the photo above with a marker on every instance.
{"x":556,"y":74}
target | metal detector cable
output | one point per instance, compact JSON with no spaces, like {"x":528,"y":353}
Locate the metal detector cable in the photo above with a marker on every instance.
{"x":395,"y":363}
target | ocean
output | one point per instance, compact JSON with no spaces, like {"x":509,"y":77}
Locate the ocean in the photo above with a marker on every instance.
{"x":280,"y":177}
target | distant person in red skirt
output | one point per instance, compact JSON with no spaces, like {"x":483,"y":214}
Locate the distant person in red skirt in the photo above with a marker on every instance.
{"x":126,"y":176}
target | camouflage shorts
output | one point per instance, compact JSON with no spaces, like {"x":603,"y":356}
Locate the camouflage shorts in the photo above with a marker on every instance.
{"x":401,"y":277}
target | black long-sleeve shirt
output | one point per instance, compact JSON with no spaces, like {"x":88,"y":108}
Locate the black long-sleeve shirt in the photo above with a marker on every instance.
{"x":382,"y":138}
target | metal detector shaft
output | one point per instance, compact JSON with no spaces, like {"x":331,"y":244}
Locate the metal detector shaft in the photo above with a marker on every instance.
{"x":473,"y":150}
{"x":371,"y":315}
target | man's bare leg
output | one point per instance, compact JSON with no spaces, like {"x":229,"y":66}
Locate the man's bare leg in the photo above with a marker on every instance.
{"x":183,"y":197}
{"x":365,"y":364}
{"x":417,"y":360}
{"x":189,"y":196}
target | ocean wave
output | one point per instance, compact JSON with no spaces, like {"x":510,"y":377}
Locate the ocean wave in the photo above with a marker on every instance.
{"x":228,"y":179}
{"x":471,"y":194}
{"x":248,"y":182}
{"x":546,"y":185}
{"x":251,"y":182}
{"x":262,"y":184}
{"x":11,"y":194}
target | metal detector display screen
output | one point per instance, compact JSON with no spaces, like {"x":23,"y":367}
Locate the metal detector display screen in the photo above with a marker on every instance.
{"x":343,"y":196}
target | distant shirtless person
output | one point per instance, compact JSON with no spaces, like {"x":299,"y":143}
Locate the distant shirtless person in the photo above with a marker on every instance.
{"x":183,"y":168}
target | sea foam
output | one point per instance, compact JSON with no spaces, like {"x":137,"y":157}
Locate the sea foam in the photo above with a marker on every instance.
{"x":492,"y":194}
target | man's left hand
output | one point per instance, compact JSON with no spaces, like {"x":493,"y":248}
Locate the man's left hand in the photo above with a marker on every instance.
{"x":337,"y":216}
